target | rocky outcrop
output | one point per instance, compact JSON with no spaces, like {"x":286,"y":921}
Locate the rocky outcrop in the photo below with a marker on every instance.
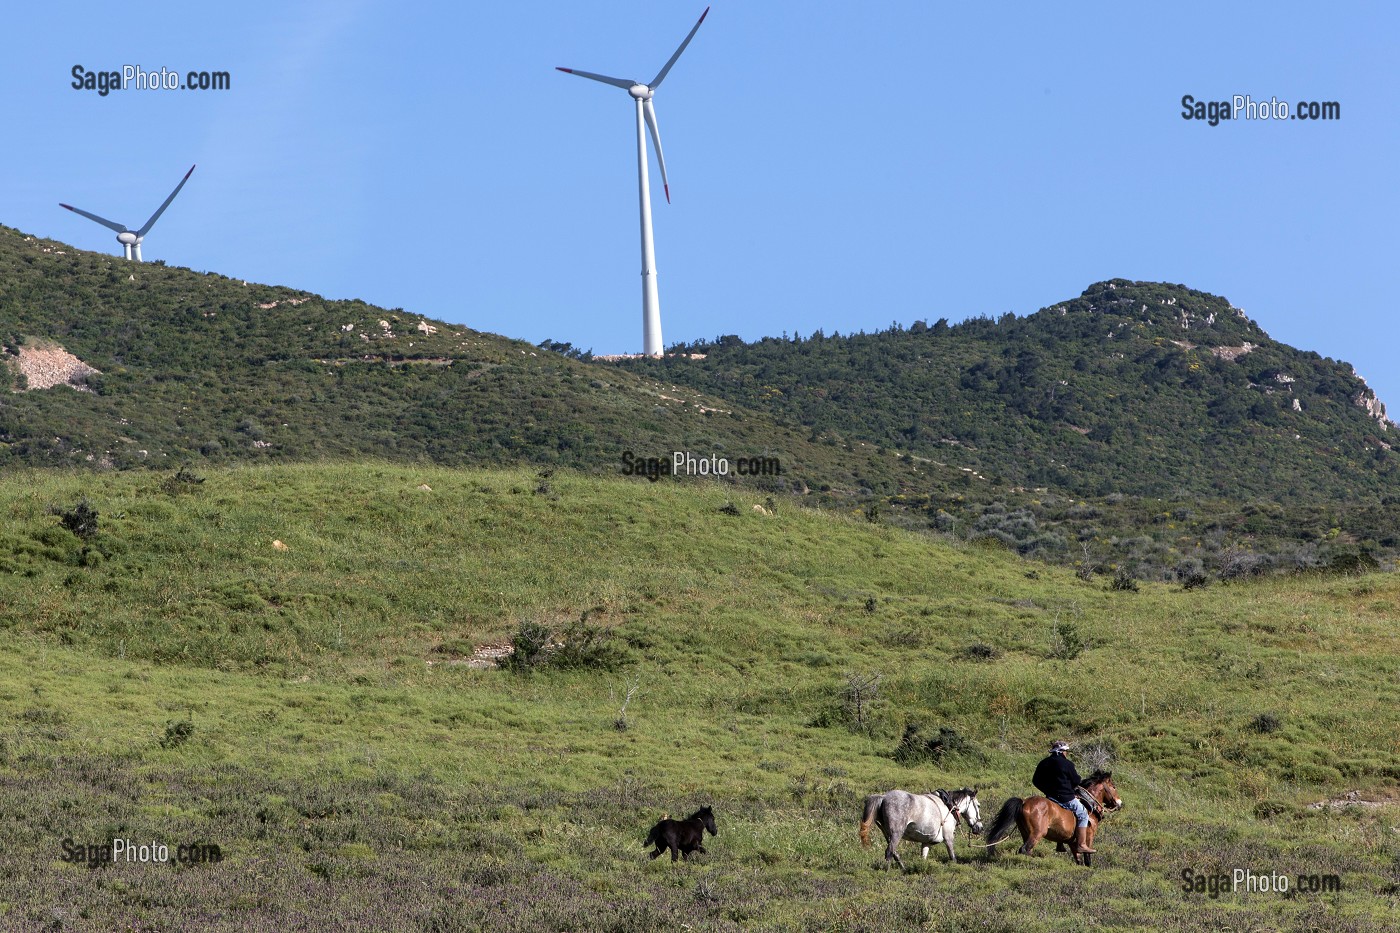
{"x":46,"y":366}
{"x":1374,"y":407}
{"x":1233,"y":353}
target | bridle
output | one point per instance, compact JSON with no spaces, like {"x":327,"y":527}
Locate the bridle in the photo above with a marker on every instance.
{"x":968,"y":803}
{"x":1099,"y":810}
{"x":960,"y":808}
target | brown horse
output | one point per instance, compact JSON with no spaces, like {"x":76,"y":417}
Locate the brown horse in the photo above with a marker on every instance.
{"x":1040,"y":818}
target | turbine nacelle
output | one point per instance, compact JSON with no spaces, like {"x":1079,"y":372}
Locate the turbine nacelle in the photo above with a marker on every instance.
{"x":128,"y":238}
{"x":640,"y":92}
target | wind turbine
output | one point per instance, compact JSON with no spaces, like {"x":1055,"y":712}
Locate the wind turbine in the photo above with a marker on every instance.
{"x":642,"y":94}
{"x":131,"y":239}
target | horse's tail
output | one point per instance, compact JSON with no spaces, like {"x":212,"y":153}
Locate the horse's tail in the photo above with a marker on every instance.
{"x":655,"y":834}
{"x":872,"y":807}
{"x":1005,"y":821}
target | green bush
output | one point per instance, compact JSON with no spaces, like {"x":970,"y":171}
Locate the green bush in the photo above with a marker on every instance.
{"x":1066,"y":643}
{"x":586,"y":647}
{"x":529,"y":643}
{"x":177,"y":733}
{"x":917,"y":747}
{"x":1123,"y":581}
{"x":81,"y":519}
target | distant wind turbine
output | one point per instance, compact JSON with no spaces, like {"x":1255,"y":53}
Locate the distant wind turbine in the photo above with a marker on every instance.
{"x":131,"y":239}
{"x":642,"y":93}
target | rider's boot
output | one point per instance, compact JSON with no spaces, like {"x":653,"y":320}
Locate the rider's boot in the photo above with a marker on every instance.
{"x":1081,"y":840}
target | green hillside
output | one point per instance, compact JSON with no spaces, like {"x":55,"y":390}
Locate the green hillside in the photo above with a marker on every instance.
{"x":1134,"y":388}
{"x":274,"y":660}
{"x":199,"y":368}
{"x":1112,"y":431}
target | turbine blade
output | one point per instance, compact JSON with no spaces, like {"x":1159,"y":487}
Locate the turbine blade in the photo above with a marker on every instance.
{"x":120,"y":228}
{"x":661,"y":76}
{"x":615,"y":82}
{"x":650,"y":113}
{"x":161,"y":210}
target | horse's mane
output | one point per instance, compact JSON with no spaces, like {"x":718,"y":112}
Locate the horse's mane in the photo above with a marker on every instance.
{"x":955,"y":796}
{"x":1098,"y":777}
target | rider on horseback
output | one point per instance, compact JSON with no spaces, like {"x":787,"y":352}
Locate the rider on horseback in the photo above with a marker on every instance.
{"x":1056,"y":778}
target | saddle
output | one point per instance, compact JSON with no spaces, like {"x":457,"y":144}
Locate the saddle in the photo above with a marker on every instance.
{"x":1094,"y":806}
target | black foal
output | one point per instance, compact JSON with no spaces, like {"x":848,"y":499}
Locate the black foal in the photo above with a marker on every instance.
{"x":682,"y":837}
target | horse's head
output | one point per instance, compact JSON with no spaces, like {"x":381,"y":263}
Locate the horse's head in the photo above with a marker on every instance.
{"x":970,"y":809}
{"x":1100,"y":786}
{"x":707,"y":820}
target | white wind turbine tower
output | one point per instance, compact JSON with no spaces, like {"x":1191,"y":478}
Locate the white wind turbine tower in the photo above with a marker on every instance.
{"x":641,"y":94}
{"x":131,"y":239}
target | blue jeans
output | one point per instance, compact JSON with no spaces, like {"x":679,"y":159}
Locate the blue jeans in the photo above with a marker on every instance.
{"x":1081,"y":812}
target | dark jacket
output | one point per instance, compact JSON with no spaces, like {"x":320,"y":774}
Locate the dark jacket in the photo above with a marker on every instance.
{"x":1056,"y":778}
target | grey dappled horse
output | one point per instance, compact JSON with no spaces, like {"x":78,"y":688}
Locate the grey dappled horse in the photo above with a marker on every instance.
{"x":925,"y":818}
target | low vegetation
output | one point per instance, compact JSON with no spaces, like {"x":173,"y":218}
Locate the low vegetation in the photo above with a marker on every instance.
{"x":1099,"y":433}
{"x":309,"y":708}
{"x":1138,"y":388}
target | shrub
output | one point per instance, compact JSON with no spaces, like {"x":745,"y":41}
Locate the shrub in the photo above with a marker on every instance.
{"x":580,"y":646}
{"x":1238,"y":563}
{"x":857,"y":706}
{"x":915,"y":747}
{"x":177,"y":733}
{"x":1349,"y":559}
{"x":81,"y":519}
{"x":993,"y":540}
{"x":1265,"y":723}
{"x":1123,"y":581}
{"x":529,"y":643}
{"x":858,"y":699}
{"x":1097,"y":755}
{"x":1066,"y":643}
{"x":586,"y":647}
{"x":1191,"y":573}
{"x":182,"y":480}
{"x":980,"y":652}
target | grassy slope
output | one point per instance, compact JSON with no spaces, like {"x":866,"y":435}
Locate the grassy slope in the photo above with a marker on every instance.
{"x":195,"y":369}
{"x":350,"y":780}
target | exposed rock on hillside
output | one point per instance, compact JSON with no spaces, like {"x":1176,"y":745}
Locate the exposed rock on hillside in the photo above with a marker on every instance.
{"x":50,"y":365}
{"x":1233,"y":353}
{"x":1366,"y":399}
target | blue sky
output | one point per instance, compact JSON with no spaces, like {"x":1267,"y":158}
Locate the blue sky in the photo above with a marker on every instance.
{"x":834,"y":166}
